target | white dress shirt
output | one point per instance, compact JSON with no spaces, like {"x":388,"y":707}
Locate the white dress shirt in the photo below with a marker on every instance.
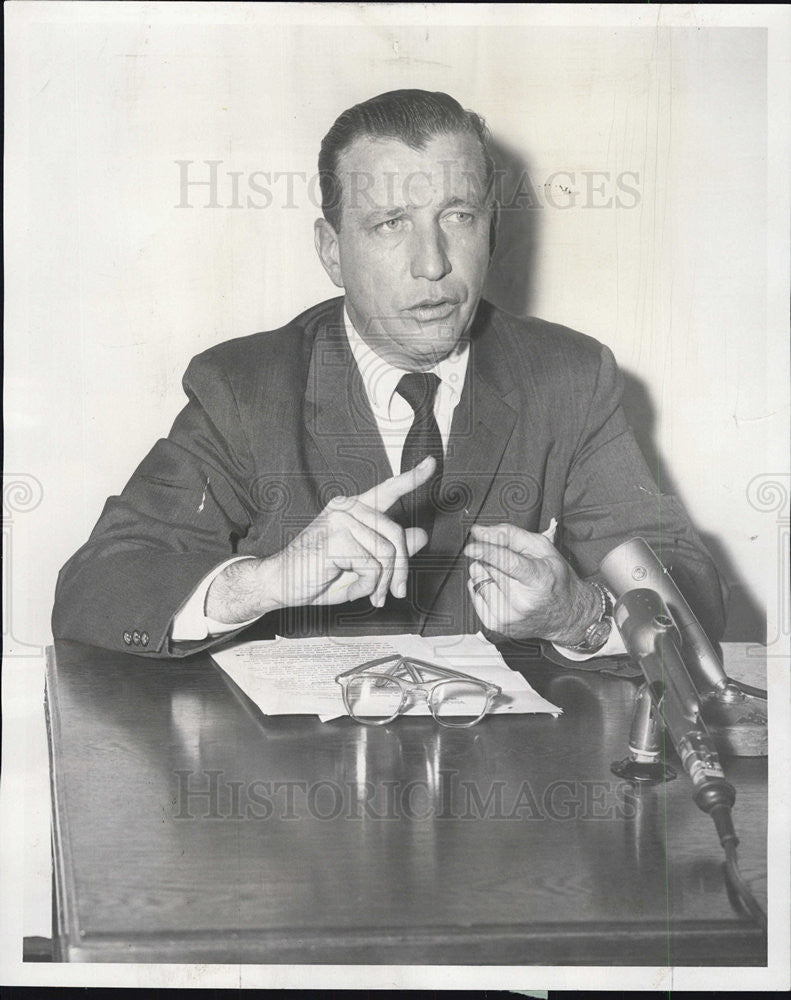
{"x":393,"y":417}
{"x":393,"y":414}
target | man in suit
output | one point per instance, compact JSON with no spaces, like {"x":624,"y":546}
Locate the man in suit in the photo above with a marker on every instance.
{"x":404,"y":458}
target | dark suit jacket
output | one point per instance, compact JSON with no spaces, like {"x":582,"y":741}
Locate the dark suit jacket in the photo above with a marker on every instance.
{"x":278,"y":423}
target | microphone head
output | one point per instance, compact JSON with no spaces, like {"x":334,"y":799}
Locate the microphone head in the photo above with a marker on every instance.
{"x":631,"y":565}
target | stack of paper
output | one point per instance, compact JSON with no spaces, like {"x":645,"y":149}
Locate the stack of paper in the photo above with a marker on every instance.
{"x":297,"y":676}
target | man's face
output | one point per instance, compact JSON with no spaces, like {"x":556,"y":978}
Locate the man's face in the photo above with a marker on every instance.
{"x":413,"y":247}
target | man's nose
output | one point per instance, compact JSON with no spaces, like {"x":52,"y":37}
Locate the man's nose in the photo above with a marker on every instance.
{"x":429,"y":257}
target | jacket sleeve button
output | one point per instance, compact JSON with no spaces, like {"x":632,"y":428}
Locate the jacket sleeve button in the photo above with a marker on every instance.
{"x":136,"y":637}
{"x":144,"y":638}
{"x":128,"y":638}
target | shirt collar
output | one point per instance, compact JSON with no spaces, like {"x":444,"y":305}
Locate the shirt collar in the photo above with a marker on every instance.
{"x":380,"y":378}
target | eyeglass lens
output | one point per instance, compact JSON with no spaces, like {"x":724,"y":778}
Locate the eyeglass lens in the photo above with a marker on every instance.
{"x":458,"y":702}
{"x":373,"y":697}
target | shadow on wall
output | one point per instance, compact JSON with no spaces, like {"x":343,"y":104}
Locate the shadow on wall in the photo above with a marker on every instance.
{"x":745,"y":618}
{"x":511,"y":286}
{"x":510,"y":283}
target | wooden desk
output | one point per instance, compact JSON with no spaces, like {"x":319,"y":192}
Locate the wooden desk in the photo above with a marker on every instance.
{"x":508,"y":843}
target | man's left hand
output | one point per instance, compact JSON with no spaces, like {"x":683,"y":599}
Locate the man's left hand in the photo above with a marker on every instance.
{"x":533,"y":592}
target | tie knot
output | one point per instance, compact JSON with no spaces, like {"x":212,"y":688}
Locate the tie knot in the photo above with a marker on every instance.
{"x":419,"y":390}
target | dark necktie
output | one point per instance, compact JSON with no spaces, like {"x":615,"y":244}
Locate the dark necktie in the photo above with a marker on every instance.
{"x":419,"y":389}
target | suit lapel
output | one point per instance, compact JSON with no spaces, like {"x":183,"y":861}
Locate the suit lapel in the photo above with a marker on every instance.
{"x":338,"y":416}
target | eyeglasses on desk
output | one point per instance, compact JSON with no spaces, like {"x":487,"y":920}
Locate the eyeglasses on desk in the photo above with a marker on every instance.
{"x":378,"y":691}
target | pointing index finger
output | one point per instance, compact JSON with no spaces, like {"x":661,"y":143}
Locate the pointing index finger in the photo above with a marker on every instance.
{"x":382,"y":496}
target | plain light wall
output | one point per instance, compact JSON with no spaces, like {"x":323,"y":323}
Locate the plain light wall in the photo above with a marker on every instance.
{"x":118,"y":284}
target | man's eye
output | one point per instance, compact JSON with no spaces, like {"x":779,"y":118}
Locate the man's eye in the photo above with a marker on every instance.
{"x":460,"y":218}
{"x":389,"y":226}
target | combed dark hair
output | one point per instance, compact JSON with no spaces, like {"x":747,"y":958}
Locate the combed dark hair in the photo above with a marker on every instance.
{"x":412,"y":116}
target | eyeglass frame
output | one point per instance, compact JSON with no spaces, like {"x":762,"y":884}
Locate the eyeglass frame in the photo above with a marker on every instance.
{"x":427,"y":687}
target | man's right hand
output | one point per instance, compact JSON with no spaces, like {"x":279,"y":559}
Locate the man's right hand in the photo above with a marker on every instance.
{"x":351,"y":550}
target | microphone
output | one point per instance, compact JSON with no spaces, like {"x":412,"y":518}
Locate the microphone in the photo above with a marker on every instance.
{"x":738,"y":719}
{"x":653,"y":641}
{"x":634,"y":564}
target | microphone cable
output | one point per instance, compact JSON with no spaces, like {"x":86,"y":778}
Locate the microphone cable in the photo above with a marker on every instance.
{"x":748,"y":689}
{"x":741,"y":890}
{"x":716,"y":797}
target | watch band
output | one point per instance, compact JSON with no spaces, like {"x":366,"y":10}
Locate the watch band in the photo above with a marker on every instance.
{"x":597,"y":634}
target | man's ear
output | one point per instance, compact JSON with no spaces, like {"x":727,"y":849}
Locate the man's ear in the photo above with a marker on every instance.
{"x":494,"y":222}
{"x":326,"y":240}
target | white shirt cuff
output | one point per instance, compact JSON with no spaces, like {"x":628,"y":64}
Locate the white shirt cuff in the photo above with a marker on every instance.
{"x":191,"y":622}
{"x":613,"y":647}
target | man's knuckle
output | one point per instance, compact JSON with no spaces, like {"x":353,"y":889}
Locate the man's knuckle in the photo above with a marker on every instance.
{"x":387,"y":549}
{"x":336,"y":517}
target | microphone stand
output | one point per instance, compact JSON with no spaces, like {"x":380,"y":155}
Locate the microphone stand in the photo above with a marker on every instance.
{"x":654,"y":642}
{"x":645,"y":763}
